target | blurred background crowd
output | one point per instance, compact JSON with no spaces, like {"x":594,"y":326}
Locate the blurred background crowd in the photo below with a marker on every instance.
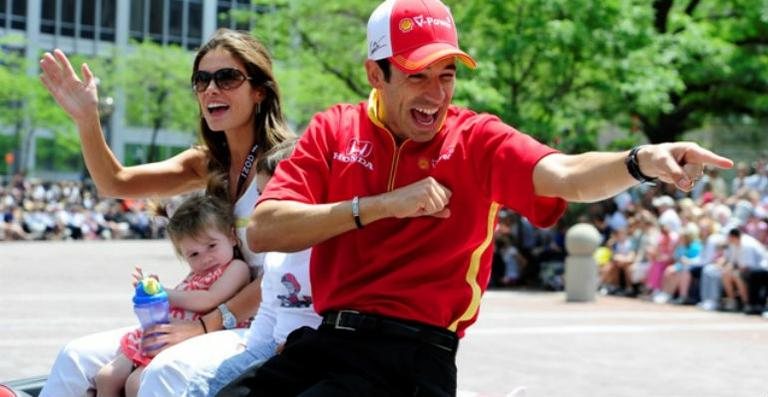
{"x":70,"y":210}
{"x":706,"y":247}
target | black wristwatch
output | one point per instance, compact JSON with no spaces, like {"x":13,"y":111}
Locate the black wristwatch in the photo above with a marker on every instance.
{"x":633,"y":167}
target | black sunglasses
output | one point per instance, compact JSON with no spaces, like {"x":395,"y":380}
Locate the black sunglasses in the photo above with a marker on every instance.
{"x":225,"y":79}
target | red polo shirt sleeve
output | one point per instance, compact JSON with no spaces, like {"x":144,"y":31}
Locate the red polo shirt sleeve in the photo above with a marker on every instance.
{"x":507,"y":159}
{"x":303,"y":177}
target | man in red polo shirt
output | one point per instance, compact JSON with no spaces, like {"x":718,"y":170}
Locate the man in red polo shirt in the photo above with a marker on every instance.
{"x":399,"y":196}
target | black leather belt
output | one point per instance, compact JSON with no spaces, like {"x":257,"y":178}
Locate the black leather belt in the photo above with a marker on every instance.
{"x":349,"y":320}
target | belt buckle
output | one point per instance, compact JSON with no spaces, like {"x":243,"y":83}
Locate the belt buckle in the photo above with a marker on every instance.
{"x":336,"y":324}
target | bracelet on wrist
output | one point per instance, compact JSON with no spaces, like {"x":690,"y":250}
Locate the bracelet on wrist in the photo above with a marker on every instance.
{"x":633,"y":166}
{"x":356,"y":212}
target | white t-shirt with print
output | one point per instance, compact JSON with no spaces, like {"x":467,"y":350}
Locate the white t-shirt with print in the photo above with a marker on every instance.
{"x":286,"y":302}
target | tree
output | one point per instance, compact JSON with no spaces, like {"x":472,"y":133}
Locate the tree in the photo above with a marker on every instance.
{"x":719,"y":51}
{"x":541,"y":68}
{"x":25,"y":105}
{"x":14,"y":92}
{"x":574,"y":66}
{"x":319,"y":49}
{"x":561,"y":70}
{"x":157,"y":87}
{"x":549,"y":68}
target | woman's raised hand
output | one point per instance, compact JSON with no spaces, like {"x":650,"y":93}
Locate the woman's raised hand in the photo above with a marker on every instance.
{"x":78,"y":98}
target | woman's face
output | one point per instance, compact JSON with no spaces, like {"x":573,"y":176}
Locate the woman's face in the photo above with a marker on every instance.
{"x":227,"y":109}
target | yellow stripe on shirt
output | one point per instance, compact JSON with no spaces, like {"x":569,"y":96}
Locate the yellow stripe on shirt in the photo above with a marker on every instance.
{"x":474,"y":269}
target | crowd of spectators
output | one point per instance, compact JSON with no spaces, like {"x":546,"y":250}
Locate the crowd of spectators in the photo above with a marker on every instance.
{"x":706,"y":247}
{"x":69,"y":210}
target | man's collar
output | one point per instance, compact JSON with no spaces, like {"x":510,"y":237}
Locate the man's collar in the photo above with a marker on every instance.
{"x":375,"y":110}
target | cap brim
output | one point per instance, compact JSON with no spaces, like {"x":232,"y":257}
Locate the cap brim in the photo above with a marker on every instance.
{"x":416,"y":60}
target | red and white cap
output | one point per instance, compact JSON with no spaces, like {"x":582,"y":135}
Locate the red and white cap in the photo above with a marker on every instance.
{"x":414,"y":34}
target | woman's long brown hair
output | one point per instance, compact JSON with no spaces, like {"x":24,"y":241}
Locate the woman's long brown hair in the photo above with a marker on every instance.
{"x":270,"y":127}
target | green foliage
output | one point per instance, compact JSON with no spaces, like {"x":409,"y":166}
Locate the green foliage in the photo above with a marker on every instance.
{"x":561,"y":70}
{"x":545,"y":67}
{"x":17,"y":89}
{"x":623,"y":143}
{"x":555,"y":64}
{"x":25,"y":105}
{"x":718,"y":51}
{"x":7,"y":145}
{"x":62,"y":153}
{"x":136,"y":154}
{"x":319,"y":49}
{"x":157,"y":88}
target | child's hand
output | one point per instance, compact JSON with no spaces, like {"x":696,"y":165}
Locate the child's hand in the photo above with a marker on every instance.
{"x":138,"y":275}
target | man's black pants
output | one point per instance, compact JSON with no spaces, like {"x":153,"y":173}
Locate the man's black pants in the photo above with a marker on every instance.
{"x":367,"y":361}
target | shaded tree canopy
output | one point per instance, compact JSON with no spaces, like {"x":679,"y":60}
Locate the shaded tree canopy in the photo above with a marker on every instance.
{"x":25,"y":105}
{"x":561,"y":70}
{"x":156,"y":80}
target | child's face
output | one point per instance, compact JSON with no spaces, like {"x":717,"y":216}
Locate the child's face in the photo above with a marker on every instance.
{"x":207,"y":250}
{"x":261,"y":181}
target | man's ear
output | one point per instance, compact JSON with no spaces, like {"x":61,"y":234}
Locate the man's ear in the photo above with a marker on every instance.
{"x":374,"y":73}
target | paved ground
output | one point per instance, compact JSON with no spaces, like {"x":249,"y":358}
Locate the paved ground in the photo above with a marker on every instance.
{"x":532,"y":343}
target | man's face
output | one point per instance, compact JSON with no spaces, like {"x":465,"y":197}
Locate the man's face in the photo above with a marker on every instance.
{"x":415,"y":105}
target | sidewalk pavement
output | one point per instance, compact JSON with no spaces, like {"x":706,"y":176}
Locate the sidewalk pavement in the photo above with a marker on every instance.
{"x":539,"y":345}
{"x":525,"y":344}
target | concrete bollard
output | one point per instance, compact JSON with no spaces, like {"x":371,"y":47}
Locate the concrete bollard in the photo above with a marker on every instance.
{"x":581,"y":240}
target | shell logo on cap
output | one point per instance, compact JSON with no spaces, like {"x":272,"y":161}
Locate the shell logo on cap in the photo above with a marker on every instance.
{"x":405,"y":25}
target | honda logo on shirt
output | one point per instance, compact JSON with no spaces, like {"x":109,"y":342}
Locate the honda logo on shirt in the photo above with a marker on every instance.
{"x":359,"y":148}
{"x":357,"y":152}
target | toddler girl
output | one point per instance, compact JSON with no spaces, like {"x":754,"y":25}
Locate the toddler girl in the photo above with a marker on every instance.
{"x":202,"y":232}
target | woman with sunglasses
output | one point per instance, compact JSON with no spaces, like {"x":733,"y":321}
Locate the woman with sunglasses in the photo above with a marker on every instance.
{"x":240,"y":119}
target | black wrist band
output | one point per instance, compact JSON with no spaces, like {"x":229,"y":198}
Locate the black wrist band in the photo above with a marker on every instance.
{"x":356,"y":212}
{"x":205,"y":329}
{"x":633,"y":167}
